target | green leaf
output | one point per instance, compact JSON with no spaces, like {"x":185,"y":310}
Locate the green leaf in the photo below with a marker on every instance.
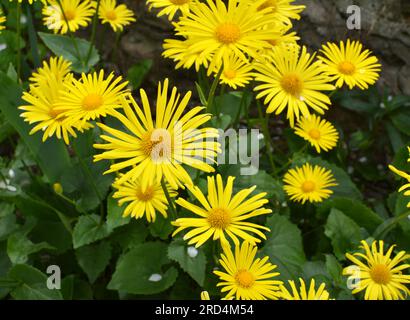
{"x":201,"y":94}
{"x":19,"y":247}
{"x":284,"y":247}
{"x":230,"y":103}
{"x":73,"y":288}
{"x":343,"y":233}
{"x":114,"y":214}
{"x":161,"y":228}
{"x":33,"y":284}
{"x":88,"y":230}
{"x":334,"y":269}
{"x":7,"y":220}
{"x":130,"y":235}
{"x":66,"y":47}
{"x":93,"y":259}
{"x":193,"y":265}
{"x":137,"y":73}
{"x":221,"y":122}
{"x":51,"y":155}
{"x":401,"y":120}
{"x":141,"y":271}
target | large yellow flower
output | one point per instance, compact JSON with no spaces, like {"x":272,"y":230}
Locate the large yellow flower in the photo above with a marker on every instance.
{"x":320,"y":133}
{"x":221,"y":214}
{"x":2,"y":20}
{"x":171,"y":7}
{"x":303,"y":293}
{"x":309,"y":183}
{"x":117,"y":16}
{"x":46,"y":86}
{"x":350,"y":64}
{"x":156,"y":149}
{"x":236,"y":72}
{"x":142,"y":201}
{"x":291,"y":79}
{"x":245,"y":277}
{"x":91,"y":97}
{"x":380,"y":274}
{"x":284,"y":10}
{"x":214,"y":31}
{"x":74,"y":14}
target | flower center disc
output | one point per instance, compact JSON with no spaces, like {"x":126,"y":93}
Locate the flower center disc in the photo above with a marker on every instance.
{"x":347,"y":68}
{"x":147,"y":195}
{"x":228,"y":33}
{"x":92,"y":101}
{"x":244,"y":279}
{"x":111,"y":15}
{"x":69,"y":14}
{"x":157,"y":144}
{"x":380,"y":274}
{"x":219,"y":218}
{"x":308,"y":186}
{"x":230,"y":74}
{"x":292,"y":84}
{"x":180,"y":2}
{"x":314,"y":134}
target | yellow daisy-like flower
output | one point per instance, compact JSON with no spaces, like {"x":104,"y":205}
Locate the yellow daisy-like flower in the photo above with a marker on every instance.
{"x":309,"y":183}
{"x":43,"y":97}
{"x":142,"y":201}
{"x":247,"y":278}
{"x":2,"y":20}
{"x":91,"y":97}
{"x":284,"y":10}
{"x":284,"y":39}
{"x":350,"y":64}
{"x":20,"y":1}
{"x":379,"y":274}
{"x":291,"y":79}
{"x":303,"y":293}
{"x":221,"y":214}
{"x":236,"y":73}
{"x":74,"y":14}
{"x":406,"y":176}
{"x":171,"y":7}
{"x":117,"y":16}
{"x":214,"y":31}
{"x":320,"y":133}
{"x":157,"y":149}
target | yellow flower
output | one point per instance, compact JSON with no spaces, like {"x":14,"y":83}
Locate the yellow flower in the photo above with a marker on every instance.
{"x":142,"y":201}
{"x":379,"y":274}
{"x":304,"y":294}
{"x":309,"y":183}
{"x":221,"y":214}
{"x":117,"y":16}
{"x":284,"y":38}
{"x":350,"y":64}
{"x":214,"y":31}
{"x":320,"y":133}
{"x":91,"y":97}
{"x":46,"y":86}
{"x":245,"y":277}
{"x":156,"y":150}
{"x":236,"y":73}
{"x":20,"y":1}
{"x":2,"y":20}
{"x":284,"y":10}
{"x":405,"y":176}
{"x":291,"y":79}
{"x":205,"y":295}
{"x":171,"y":7}
{"x":76,"y":12}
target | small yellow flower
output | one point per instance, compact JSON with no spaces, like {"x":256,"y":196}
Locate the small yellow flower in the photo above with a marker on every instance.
{"x":221,"y":214}
{"x":205,"y":295}
{"x":350,"y":64}
{"x":58,"y":188}
{"x":309,"y":183}
{"x":142,"y":201}
{"x":20,"y":1}
{"x":236,"y":73}
{"x":320,"y":133}
{"x":283,"y":10}
{"x":247,"y":278}
{"x":2,"y":20}
{"x":117,"y":16}
{"x":406,"y":176}
{"x":380,"y":274}
{"x":303,"y":293}
{"x":171,"y":7}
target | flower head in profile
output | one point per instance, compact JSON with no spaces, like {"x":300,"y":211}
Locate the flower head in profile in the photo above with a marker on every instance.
{"x":91,"y":97}
{"x":291,"y":79}
{"x":2,"y":20}
{"x":247,"y":278}
{"x":320,"y":133}
{"x":304,"y":293}
{"x":308,"y":183}
{"x":142,"y":201}
{"x":222,"y":215}
{"x":236,"y":73}
{"x":118,"y":16}
{"x":43,"y":97}
{"x":377,"y":273}
{"x":171,"y":7}
{"x":350,"y":64}
{"x":155,"y":148}
{"x":284,"y":10}
{"x":69,"y":17}
{"x":213,"y":31}
{"x":406,"y":176}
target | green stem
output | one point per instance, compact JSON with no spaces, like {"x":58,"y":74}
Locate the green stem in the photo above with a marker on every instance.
{"x":93,"y":33}
{"x":389,"y":225}
{"x":169,"y":199}
{"x":269,"y":142}
{"x":213,"y":89}
{"x":241,"y":104}
{"x":18,"y":30}
{"x":115,"y":51}
{"x":32,"y":37}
